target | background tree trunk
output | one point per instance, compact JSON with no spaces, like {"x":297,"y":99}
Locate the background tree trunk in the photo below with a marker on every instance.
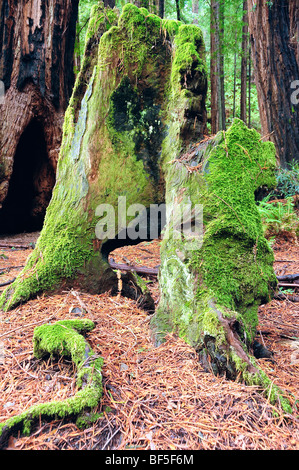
{"x":36,"y":65}
{"x":218,"y":118}
{"x":243,"y":98}
{"x":178,"y":10}
{"x":161,"y":8}
{"x":195,"y":10}
{"x":213,"y":71}
{"x":274,"y":41}
{"x":220,"y":64}
{"x":249,"y":85}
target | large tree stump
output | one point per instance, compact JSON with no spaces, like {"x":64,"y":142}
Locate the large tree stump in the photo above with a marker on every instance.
{"x":214,"y":276}
{"x":36,"y":66}
{"x":140,"y":96}
{"x":132,"y":136}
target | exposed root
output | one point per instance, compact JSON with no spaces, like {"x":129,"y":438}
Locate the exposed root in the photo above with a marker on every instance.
{"x":62,"y":338}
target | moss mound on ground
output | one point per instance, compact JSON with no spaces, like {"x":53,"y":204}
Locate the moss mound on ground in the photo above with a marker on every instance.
{"x":63,"y":338}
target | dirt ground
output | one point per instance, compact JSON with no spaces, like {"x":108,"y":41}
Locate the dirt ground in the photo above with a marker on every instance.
{"x":155,"y":398}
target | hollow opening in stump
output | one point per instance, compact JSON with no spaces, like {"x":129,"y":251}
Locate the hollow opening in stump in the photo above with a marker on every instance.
{"x":31,"y":184}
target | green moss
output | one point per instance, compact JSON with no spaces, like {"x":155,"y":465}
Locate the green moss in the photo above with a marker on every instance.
{"x":232,"y":266}
{"x":171,"y":27}
{"x":271,"y":391}
{"x":189,"y":55}
{"x":98,"y":17}
{"x":237,"y":259}
{"x":63,"y":338}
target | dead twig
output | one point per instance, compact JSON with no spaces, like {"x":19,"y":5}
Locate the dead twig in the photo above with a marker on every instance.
{"x":7,"y":283}
{"x":24,"y":327}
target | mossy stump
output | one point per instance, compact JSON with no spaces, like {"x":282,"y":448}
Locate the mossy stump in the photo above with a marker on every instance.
{"x":63,"y":338}
{"x":213,"y":283}
{"x":143,"y":80}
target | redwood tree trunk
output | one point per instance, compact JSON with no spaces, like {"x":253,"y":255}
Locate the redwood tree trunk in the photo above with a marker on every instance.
{"x":217,"y":67}
{"x":243,"y":100}
{"x":36,"y":65}
{"x":274,"y":41}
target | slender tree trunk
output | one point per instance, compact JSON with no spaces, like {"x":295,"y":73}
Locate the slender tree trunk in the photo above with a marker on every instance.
{"x":235,"y":83}
{"x":195,"y":9}
{"x":36,"y":65}
{"x":274,"y":40}
{"x":218,"y":117}
{"x":249,"y":86}
{"x":213,"y":71}
{"x":178,"y":10}
{"x":221,"y":67}
{"x":243,"y":98}
{"x":151,"y":5}
{"x":161,"y":8}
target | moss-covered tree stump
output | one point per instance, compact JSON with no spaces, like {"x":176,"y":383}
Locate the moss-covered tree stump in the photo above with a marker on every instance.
{"x":213,"y":283}
{"x":63,"y":338}
{"x":143,"y":80}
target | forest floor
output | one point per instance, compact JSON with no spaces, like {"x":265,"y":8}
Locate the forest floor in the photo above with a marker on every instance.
{"x":156,"y":398}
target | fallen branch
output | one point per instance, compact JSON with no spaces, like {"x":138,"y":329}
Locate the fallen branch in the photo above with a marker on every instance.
{"x":282,"y":296}
{"x":288,"y":277}
{"x":137,"y":269}
{"x":288,"y":285}
{"x":7,"y":282}
{"x":284,"y":201}
{"x":8,"y":268}
{"x":23,"y":327}
{"x":17,"y":247}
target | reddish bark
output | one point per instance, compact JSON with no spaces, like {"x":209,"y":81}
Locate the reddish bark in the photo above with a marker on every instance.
{"x":36,"y":66}
{"x":273,"y":28}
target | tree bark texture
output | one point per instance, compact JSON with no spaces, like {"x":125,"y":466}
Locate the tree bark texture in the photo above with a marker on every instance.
{"x":36,"y":65}
{"x":213,"y":72}
{"x":218,"y":118}
{"x":273,"y":30}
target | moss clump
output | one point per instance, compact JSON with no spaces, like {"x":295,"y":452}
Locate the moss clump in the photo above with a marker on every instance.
{"x":189,"y":62}
{"x":63,"y":338}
